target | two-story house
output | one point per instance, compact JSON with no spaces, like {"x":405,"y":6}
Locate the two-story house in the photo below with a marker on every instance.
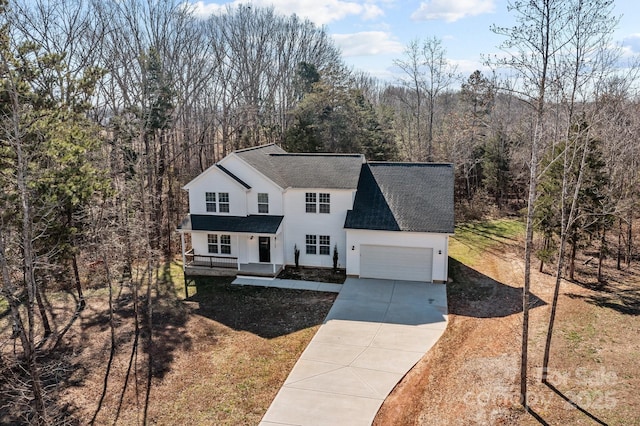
{"x":252,"y":210}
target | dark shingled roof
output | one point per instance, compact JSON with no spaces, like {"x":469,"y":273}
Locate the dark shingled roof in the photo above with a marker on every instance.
{"x":259,"y":224}
{"x":331,"y":171}
{"x":404,"y":197}
{"x":234,"y":177}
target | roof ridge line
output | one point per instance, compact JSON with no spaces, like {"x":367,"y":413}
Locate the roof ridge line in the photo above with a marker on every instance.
{"x":407,"y":163}
{"x":252,"y":148}
{"x":315,"y":154}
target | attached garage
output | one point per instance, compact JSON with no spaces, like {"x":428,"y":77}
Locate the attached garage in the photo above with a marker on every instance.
{"x":401,"y":221}
{"x":396,"y":263}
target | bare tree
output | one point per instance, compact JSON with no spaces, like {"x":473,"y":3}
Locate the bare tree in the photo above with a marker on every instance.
{"x":531,"y":46}
{"x":428,"y":74}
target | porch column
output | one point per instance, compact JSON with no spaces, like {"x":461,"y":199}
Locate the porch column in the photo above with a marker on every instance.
{"x":184,"y":257}
{"x":238,"y":246}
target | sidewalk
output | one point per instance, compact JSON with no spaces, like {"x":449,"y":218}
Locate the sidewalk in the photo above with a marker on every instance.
{"x":292,"y":284}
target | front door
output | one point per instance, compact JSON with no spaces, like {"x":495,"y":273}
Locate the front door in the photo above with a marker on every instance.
{"x":264,"y":247}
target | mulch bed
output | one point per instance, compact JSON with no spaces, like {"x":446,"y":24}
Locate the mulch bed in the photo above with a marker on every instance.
{"x":325,"y":275}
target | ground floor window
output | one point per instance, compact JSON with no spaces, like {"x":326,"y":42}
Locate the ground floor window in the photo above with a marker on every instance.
{"x":311,"y":244}
{"x":325,"y":244}
{"x":318,"y":244}
{"x":219,"y":244}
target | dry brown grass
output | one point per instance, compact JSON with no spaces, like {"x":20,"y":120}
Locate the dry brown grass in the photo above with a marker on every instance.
{"x":217,"y":358}
{"x":471,"y":376}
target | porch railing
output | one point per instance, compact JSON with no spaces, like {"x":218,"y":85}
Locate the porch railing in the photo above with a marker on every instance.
{"x":210,"y":261}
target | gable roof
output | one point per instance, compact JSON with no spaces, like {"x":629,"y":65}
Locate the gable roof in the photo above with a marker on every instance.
{"x":331,"y":171}
{"x":414,"y":197}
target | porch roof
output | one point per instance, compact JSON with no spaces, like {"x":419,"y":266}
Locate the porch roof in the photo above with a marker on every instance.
{"x":258,"y":224}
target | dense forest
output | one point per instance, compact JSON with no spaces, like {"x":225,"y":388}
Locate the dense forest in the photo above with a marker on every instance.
{"x":107,"y":108}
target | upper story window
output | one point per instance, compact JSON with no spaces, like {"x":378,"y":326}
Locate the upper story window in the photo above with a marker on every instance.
{"x":217,"y":202}
{"x":263,"y":202}
{"x":325,"y":203}
{"x":223,"y":202}
{"x":317,"y":202}
{"x":211,"y":201}
{"x":310,"y":200}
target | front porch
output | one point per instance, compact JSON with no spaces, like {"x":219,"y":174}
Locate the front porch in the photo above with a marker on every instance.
{"x":210,"y":265}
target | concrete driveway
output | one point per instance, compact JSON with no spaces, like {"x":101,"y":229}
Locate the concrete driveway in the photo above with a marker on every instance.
{"x":374,"y":334}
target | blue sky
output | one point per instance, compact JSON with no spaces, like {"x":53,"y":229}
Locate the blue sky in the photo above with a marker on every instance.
{"x":372,"y":33}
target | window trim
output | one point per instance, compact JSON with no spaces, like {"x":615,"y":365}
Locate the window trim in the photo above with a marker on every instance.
{"x":217,"y":244}
{"x":326,"y":204}
{"x":310,"y":201}
{"x":318,"y":244}
{"x":264,"y":204}
{"x":211,"y":203}
{"x":212,"y":244}
{"x":326,"y":244}
{"x":311,"y":244}
{"x":223,"y":206}
{"x":317,"y":202}
{"x":225,"y":244}
{"x":217,"y":202}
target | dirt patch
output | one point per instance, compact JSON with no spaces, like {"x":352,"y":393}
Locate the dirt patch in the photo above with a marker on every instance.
{"x":324,"y":275}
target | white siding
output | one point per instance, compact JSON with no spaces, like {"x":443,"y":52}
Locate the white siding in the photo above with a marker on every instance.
{"x":299,"y":223}
{"x":258,"y":183}
{"x":438,"y":242}
{"x":217,"y":181}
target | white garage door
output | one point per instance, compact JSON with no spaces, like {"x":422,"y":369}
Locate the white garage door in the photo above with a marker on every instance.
{"x":396,"y":263}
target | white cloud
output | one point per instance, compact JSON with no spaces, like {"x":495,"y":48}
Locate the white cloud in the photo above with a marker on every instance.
{"x":367,"y":43}
{"x":203,"y":10}
{"x":320,"y":12}
{"x":452,"y":10}
{"x":466,"y":67}
{"x":631,"y":44}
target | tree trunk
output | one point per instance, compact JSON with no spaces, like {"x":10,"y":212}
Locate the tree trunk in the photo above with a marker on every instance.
{"x":629,"y":237}
{"x":603,"y":248}
{"x":76,"y":276}
{"x":43,"y":312}
{"x":9,"y":291}
{"x":572,"y":261}
{"x":619,"y":250}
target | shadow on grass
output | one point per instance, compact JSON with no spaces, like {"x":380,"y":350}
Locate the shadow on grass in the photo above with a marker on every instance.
{"x":474,"y":294}
{"x":168,"y":323}
{"x":624,"y":301}
{"x":574,"y":404}
{"x":266,"y":312}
